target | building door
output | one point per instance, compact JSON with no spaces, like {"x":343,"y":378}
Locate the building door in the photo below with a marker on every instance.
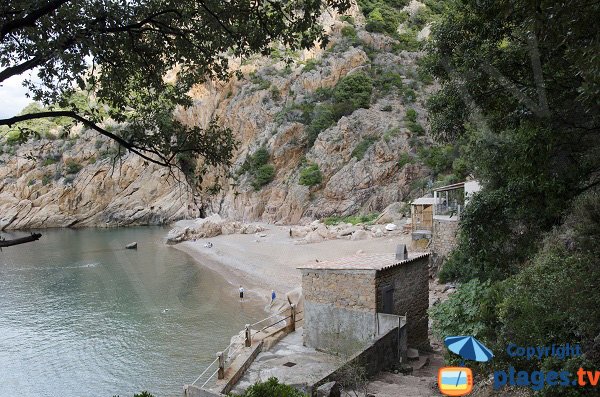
{"x":388,"y":299}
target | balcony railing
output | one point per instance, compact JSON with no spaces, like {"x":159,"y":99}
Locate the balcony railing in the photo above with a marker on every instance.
{"x":448,"y":209}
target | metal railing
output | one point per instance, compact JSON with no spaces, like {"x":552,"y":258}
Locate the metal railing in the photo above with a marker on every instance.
{"x":248,"y":334}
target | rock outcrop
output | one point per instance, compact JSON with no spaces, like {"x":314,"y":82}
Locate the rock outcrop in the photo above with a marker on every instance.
{"x":263,"y":109}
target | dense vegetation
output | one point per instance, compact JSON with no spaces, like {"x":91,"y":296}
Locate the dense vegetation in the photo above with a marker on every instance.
{"x":270,"y":388}
{"x":518,"y":109}
{"x":259,"y":169}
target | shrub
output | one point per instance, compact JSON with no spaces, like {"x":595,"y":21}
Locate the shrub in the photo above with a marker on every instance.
{"x":360,"y":149}
{"x":411,"y":115}
{"x":387,"y":108}
{"x":404,"y":159}
{"x":355,"y":88}
{"x":353,"y":219}
{"x":323,"y":119}
{"x":310,"y":175}
{"x":410,"y":95}
{"x":31,"y":182}
{"x":407,"y":41}
{"x":263,"y":175}
{"x":438,"y":158}
{"x":49,"y":161}
{"x":46,"y":179}
{"x":260,"y":82}
{"x":323,"y":94}
{"x":415,"y":128}
{"x":270,"y":388}
{"x":73,"y":167}
{"x":275,"y":93}
{"x":392,"y":132}
{"x":387,"y":81}
{"x":349,"y":32}
{"x":310,"y":64}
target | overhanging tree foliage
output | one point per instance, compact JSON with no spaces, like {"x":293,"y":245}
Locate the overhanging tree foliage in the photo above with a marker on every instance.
{"x":121,"y":51}
{"x":520,"y":85}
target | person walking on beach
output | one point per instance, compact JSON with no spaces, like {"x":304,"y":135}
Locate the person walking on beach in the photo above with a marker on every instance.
{"x":273,"y":296}
{"x":241,"y":293}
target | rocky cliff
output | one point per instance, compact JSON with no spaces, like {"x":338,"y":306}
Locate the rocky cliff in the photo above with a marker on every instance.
{"x":366,"y":159}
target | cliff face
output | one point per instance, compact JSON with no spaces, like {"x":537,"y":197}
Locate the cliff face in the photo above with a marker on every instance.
{"x":266,"y":109}
{"x":59,"y":184}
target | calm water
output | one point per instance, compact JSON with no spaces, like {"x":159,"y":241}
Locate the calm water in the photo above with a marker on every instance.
{"x":81,"y":316}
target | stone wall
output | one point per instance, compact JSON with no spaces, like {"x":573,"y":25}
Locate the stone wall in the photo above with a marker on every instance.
{"x":410,"y":282}
{"x":385,"y":351}
{"x":444,"y":236}
{"x":339,"y":309}
{"x":349,"y":289}
{"x":443,"y":241}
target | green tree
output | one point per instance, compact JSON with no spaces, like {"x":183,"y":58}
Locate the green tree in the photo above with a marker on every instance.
{"x":520,"y":86}
{"x":122,"y":52}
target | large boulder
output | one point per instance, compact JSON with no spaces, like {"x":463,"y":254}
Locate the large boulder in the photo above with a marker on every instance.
{"x":359,"y":235}
{"x":390,"y":214}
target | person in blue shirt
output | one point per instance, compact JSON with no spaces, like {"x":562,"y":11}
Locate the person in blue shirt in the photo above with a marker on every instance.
{"x":273,"y":296}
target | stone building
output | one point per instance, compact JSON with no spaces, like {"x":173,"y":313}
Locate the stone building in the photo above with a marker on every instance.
{"x":449,"y":202}
{"x":344,"y":297}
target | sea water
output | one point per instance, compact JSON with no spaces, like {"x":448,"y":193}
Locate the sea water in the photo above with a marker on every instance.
{"x":82,"y":316}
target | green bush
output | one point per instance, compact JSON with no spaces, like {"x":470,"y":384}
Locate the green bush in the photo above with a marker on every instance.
{"x":387,"y":108}
{"x":411,"y":115}
{"x":387,"y":81}
{"x":31,"y":182}
{"x":404,"y":159}
{"x":260,"y":82}
{"x":410,"y":95}
{"x":349,"y":32}
{"x":438,"y":158}
{"x":392,"y":132}
{"x":72,"y":166}
{"x":49,"y":161}
{"x":360,"y":149}
{"x":46,"y":179}
{"x":353,"y":219}
{"x":270,"y":388}
{"x":407,"y":41}
{"x":355,"y":89}
{"x":263,"y":175}
{"x":310,"y":64}
{"x":257,"y":165}
{"x":415,"y":128}
{"x":323,"y":118}
{"x":310,"y":175}
{"x":275,"y":93}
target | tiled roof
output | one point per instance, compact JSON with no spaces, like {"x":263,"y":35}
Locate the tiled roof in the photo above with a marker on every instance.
{"x":363,"y":262}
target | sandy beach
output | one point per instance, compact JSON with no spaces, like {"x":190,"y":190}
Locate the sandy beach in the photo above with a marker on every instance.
{"x":264,"y":263}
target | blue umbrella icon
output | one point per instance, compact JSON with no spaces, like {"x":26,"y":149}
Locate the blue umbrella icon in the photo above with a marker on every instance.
{"x":468,"y":348}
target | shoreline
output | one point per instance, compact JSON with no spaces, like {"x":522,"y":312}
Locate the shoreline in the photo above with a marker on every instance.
{"x":260,"y":264}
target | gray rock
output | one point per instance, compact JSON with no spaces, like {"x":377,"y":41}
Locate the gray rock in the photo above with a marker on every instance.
{"x":359,"y":235}
{"x":329,"y":389}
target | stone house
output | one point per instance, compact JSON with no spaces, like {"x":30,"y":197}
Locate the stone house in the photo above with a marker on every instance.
{"x":343,"y":299}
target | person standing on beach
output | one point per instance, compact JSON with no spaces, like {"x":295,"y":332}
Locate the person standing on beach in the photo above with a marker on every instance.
{"x":273,"y":296}
{"x":241,"y":293}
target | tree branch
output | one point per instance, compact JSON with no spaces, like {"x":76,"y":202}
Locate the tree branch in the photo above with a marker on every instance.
{"x":21,"y":68}
{"x":22,"y":240}
{"x":90,"y":124}
{"x":30,"y":18}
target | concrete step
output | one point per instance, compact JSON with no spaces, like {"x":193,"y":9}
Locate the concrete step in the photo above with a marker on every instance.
{"x":420,"y":363}
{"x":412,"y":354}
